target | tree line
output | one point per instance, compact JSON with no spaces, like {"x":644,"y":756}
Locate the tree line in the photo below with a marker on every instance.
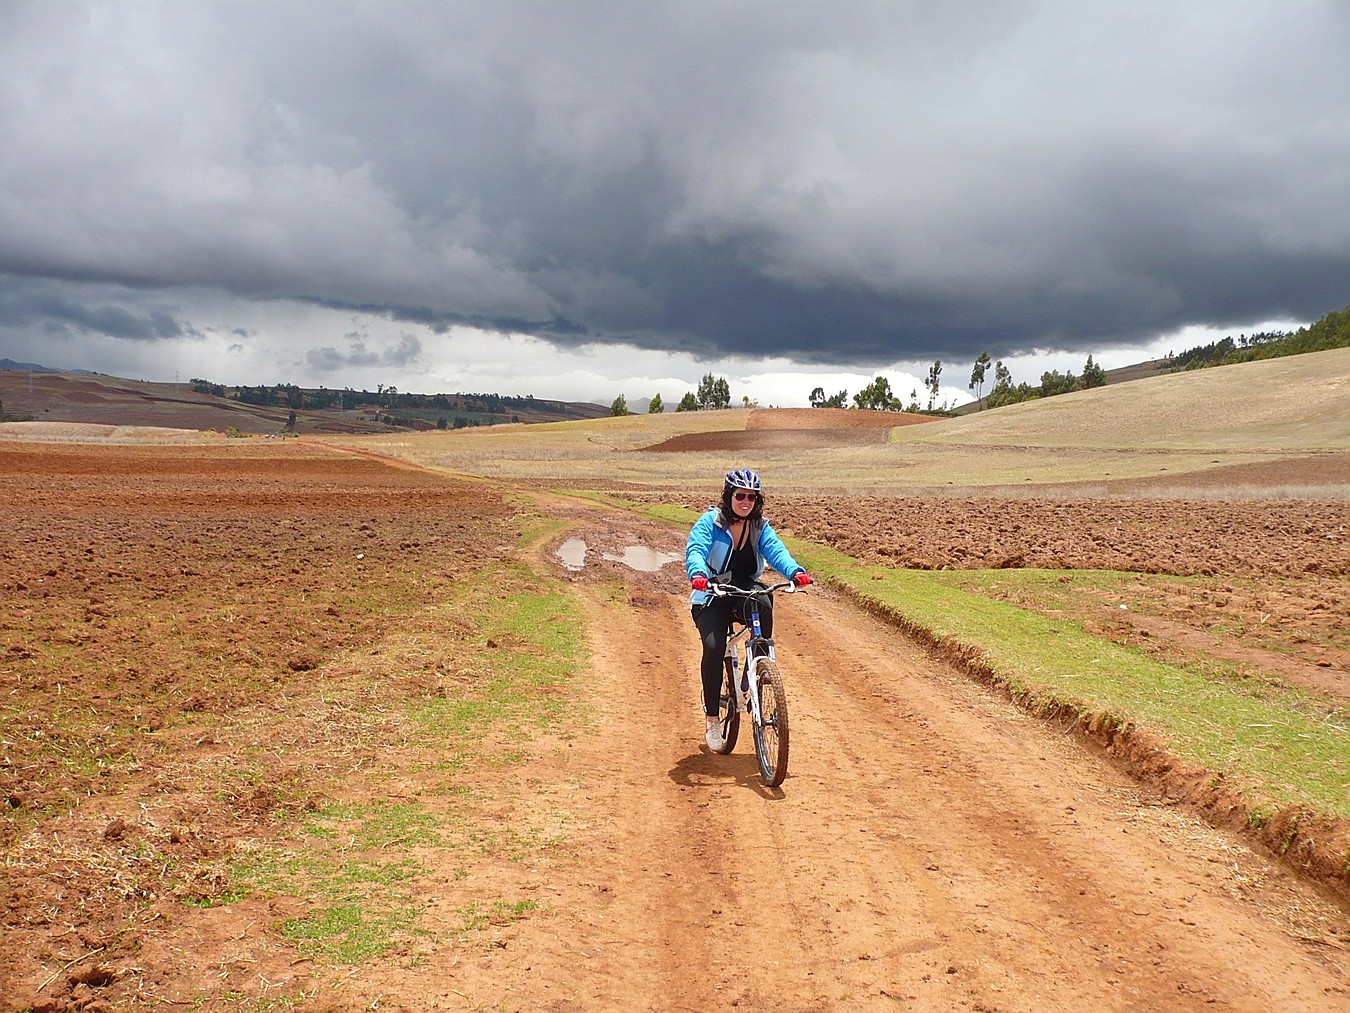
{"x":713,"y":393}
{"x":878,"y":396}
{"x":387,"y":398}
{"x":1005,"y":392}
{"x":1332,"y":331}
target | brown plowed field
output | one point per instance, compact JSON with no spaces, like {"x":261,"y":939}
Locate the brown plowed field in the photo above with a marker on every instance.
{"x":830,"y":418}
{"x":204,"y":649}
{"x":1288,"y":538}
{"x":770,"y":439}
{"x":796,"y":429}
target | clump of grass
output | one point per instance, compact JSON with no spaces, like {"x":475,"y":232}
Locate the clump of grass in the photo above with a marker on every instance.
{"x":376,"y":824}
{"x":477,"y":916}
{"x":525,"y":647}
{"x":349,"y":933}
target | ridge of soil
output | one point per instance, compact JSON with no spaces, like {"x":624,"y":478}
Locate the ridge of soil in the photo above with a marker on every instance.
{"x":1202,"y":537}
{"x":795,"y":429}
{"x":830,"y":418}
{"x":768,"y":439}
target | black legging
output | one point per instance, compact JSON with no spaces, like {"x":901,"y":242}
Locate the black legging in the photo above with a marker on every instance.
{"x":712,"y":621}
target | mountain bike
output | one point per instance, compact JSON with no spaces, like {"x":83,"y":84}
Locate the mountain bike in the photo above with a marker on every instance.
{"x":754,"y":684}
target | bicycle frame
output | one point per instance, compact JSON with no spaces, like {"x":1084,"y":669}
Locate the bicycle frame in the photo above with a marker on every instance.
{"x":751,"y":678}
{"x":751,"y":636}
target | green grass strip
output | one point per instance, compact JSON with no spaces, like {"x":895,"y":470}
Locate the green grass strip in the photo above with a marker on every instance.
{"x":527,"y":643}
{"x":1288,"y":742}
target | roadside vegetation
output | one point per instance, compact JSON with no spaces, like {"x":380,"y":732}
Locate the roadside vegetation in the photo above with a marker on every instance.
{"x":359,"y":864}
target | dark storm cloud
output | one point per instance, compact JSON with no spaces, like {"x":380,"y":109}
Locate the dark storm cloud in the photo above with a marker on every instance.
{"x":26,"y":304}
{"x":837,"y":183}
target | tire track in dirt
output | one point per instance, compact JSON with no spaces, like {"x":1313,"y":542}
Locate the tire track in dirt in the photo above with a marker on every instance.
{"x":933,"y":848}
{"x":1045,"y":881}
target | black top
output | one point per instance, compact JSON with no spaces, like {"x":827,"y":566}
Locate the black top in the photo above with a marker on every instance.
{"x":743,"y":566}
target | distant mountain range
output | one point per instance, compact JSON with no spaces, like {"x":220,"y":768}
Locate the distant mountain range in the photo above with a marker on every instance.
{"x":33,"y":367}
{"x":33,"y":393}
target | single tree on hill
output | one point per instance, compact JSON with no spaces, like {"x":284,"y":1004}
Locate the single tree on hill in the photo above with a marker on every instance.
{"x":819,"y":400}
{"x":1093,"y":375}
{"x":934,"y":373}
{"x":877,"y":396}
{"x":656,"y":406}
{"x":714,"y":392}
{"x":688,"y":403}
{"x":619,"y":407}
{"x":977,"y":374}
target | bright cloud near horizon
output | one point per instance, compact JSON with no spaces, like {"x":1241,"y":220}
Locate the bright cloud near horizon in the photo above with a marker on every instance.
{"x":578,"y":200}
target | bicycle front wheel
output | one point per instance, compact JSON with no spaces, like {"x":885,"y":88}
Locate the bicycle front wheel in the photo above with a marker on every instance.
{"x":771,"y":732}
{"x":728,"y":712}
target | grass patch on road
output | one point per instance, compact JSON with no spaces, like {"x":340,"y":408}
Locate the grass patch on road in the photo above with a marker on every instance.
{"x":524,"y":647}
{"x":357,"y":864}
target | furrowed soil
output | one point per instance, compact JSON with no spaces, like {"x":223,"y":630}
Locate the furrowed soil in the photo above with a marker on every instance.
{"x":210,"y":656}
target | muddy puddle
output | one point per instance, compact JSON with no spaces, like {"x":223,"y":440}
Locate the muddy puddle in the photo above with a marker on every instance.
{"x":572,"y":554}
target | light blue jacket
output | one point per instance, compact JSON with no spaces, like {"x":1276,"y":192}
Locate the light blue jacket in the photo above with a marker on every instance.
{"x":708,"y":551}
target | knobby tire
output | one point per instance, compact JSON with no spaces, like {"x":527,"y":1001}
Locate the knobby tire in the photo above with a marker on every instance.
{"x":728,"y":713}
{"x":771,"y":735}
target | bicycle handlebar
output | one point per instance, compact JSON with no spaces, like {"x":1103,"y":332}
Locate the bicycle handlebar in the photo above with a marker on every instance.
{"x":732,"y":591}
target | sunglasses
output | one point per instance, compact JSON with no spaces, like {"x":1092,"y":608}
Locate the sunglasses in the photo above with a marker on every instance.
{"x":745,"y":495}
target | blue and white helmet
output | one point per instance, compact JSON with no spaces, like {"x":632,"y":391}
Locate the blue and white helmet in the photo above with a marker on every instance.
{"x":743,"y":478}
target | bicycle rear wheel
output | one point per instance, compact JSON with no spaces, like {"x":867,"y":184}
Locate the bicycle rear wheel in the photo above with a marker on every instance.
{"x":728,"y":713}
{"x":771,"y":733}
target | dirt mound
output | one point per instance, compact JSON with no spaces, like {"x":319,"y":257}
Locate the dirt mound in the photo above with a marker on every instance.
{"x":1288,"y":538}
{"x":795,"y":429}
{"x":769,"y":439}
{"x":830,"y":418}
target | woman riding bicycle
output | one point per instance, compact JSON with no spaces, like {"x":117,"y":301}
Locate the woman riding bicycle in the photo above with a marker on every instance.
{"x":730,"y":544}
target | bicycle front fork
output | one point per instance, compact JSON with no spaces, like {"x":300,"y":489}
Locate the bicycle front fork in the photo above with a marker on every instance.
{"x":748,"y":701}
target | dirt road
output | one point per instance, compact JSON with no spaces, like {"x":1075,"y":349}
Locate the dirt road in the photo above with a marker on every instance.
{"x":932,"y":849}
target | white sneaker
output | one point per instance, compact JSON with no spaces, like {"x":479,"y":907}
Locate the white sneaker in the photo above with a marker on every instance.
{"x":713,"y":737}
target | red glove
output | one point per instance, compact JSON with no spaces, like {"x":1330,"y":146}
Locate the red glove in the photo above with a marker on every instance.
{"x":801,"y":578}
{"x":700,"y":583}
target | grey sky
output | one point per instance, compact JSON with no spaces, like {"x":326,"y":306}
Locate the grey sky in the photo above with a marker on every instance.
{"x":322,"y":190}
